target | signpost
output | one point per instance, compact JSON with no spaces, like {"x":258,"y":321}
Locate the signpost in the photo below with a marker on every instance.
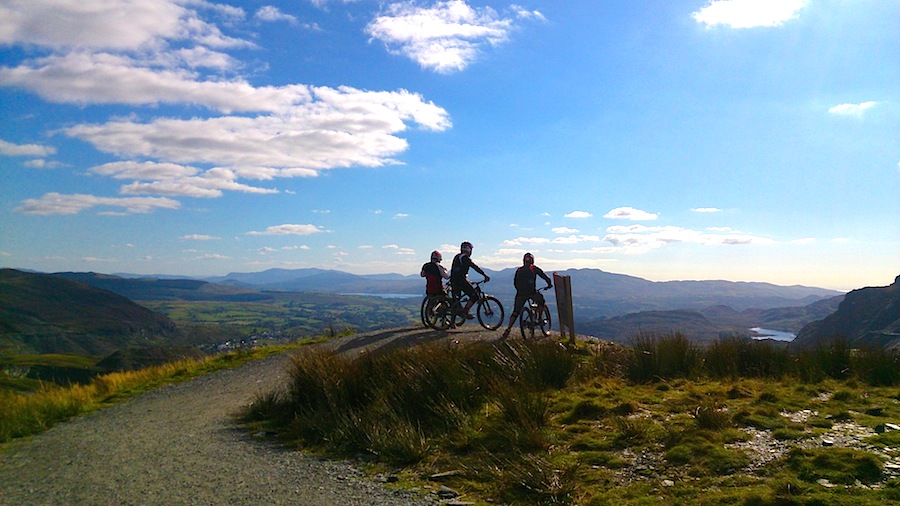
{"x":563,"y":288}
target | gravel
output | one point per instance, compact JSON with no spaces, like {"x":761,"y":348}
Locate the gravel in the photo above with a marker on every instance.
{"x":180,"y":444}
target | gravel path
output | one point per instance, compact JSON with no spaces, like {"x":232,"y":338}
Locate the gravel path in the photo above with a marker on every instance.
{"x":181,"y":445}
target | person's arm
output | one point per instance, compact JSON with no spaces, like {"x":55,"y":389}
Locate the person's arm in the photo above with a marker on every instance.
{"x":422,"y":272}
{"x":444,"y":273}
{"x":540,"y":273}
{"x":479,"y":271}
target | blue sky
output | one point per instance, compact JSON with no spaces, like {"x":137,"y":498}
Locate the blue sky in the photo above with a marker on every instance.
{"x":746,"y":140}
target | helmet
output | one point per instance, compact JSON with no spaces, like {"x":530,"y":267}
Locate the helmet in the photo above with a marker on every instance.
{"x":528,"y":259}
{"x":436,"y":256}
{"x":465,"y":247}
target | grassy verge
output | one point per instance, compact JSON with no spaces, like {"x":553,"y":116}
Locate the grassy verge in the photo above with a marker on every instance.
{"x":25,"y":414}
{"x":660,"y":422}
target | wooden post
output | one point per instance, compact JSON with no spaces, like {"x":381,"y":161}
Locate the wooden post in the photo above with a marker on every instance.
{"x":563,"y":287}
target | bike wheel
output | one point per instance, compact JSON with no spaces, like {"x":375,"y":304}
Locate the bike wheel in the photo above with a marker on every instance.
{"x":422,"y":310}
{"x":490,"y":313}
{"x":526,"y":323}
{"x":544,"y":322}
{"x":439,"y":314}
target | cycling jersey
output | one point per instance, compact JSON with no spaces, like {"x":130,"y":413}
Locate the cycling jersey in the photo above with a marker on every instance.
{"x":434,"y":274}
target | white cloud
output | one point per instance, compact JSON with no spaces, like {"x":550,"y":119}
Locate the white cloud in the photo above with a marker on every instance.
{"x":706,"y":210}
{"x":630,"y":213}
{"x":10,"y":149}
{"x":578,"y":214}
{"x":344,"y":128}
{"x":56,"y":203}
{"x":445,"y":37}
{"x":575,"y":239}
{"x":40,"y":163}
{"x":200,"y":237}
{"x":640,"y":238}
{"x":289,"y":229}
{"x":104,"y":78}
{"x":748,"y":13}
{"x":115,"y":24}
{"x":525,"y":240}
{"x":152,"y":53}
{"x":852,"y":109}
{"x":270,"y":13}
{"x":400,"y":216}
{"x":564,"y":230}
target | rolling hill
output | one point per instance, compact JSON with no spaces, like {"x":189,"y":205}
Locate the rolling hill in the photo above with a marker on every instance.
{"x":40,"y":313}
{"x":866,"y":317}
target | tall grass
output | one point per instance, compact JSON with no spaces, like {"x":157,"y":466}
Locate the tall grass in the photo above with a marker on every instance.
{"x":27,"y":414}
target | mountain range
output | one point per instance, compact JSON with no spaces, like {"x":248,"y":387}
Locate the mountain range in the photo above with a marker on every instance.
{"x":607,"y":305}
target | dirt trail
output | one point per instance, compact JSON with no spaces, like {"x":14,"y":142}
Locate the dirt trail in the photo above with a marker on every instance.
{"x":181,"y":445}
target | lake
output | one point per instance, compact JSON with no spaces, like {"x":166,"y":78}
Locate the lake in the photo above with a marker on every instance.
{"x":388,"y":295}
{"x":777,"y":335}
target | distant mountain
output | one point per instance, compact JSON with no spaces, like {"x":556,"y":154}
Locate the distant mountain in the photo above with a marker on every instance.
{"x":41,"y":313}
{"x":164,"y":289}
{"x":706,"y":325}
{"x":596,"y":293}
{"x":866,"y":317}
{"x":320,"y":280}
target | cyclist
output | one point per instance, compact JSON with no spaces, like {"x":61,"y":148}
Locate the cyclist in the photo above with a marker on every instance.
{"x":525,"y":281}
{"x":458,"y":272}
{"x":434,"y":274}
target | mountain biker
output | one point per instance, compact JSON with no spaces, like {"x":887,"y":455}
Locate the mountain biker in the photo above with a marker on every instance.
{"x":458,"y":272}
{"x":525,"y":281}
{"x":434,"y":274}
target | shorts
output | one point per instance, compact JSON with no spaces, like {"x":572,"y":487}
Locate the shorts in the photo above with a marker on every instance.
{"x":520,"y":302}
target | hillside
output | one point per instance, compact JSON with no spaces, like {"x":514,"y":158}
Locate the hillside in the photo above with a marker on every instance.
{"x":40,"y":313}
{"x":164,"y":289}
{"x":866,"y":317}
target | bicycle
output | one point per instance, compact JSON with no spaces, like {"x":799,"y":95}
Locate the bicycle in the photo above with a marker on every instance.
{"x":426,"y":311}
{"x":534,"y":318}
{"x":448,"y":313}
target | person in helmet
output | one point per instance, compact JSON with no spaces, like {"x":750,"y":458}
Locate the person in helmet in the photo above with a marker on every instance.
{"x":434,"y":274}
{"x":525,"y":281}
{"x":459,"y":271}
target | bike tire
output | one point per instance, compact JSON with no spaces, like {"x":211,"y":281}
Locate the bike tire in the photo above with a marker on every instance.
{"x":490,"y":312}
{"x":526,"y":324}
{"x":439,"y":314}
{"x":545,"y":322}
{"x":422,"y":310}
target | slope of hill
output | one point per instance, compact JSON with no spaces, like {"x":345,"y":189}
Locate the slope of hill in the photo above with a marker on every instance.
{"x":164,"y":289}
{"x":40,"y":313}
{"x":866,"y":317}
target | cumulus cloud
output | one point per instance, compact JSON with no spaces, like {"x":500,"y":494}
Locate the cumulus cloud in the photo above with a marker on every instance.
{"x":57,"y":203}
{"x":748,"y":13}
{"x":630,"y":213}
{"x":640,"y":238}
{"x":706,"y":210}
{"x":519,"y":241}
{"x":852,"y":109}
{"x":270,"y":13}
{"x":564,"y":230}
{"x":10,"y":149}
{"x":199,"y":237}
{"x":166,"y":52}
{"x":445,"y":37}
{"x":289,"y":229}
{"x":579,"y":214}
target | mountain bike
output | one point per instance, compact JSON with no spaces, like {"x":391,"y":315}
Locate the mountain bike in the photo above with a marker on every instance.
{"x":429,"y":302}
{"x":534,"y":319}
{"x":449,"y":313}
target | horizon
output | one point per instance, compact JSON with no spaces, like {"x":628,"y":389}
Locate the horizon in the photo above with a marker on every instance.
{"x":416,"y":276}
{"x":733,"y":140}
